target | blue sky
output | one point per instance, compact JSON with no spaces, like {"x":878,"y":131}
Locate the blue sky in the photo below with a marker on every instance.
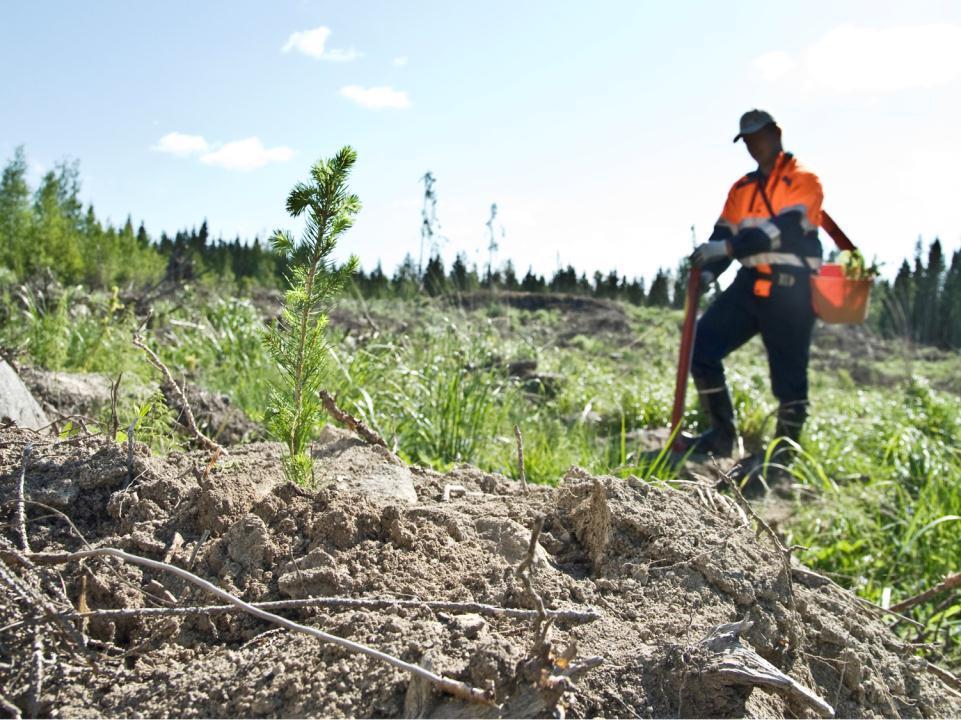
{"x":602,"y":130}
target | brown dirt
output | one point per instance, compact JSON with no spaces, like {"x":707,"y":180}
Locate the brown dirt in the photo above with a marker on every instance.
{"x":664,"y":567}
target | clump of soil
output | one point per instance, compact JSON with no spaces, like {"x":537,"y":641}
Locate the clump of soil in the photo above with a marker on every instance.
{"x":660,"y":567}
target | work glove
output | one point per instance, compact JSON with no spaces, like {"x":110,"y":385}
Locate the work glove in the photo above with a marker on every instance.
{"x":708,"y":252}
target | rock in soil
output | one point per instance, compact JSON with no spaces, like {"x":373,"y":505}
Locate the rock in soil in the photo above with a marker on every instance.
{"x":16,"y":401}
{"x":661,"y":568}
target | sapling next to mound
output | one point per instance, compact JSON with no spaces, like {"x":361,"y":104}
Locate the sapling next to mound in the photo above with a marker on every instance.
{"x":297,"y":342}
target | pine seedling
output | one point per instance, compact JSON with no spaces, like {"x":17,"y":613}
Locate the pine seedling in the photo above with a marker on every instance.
{"x":297,"y":342}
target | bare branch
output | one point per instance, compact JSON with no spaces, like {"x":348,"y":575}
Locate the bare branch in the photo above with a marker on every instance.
{"x":946,"y":677}
{"x":193,"y":554}
{"x":9,"y":708}
{"x":813,"y":579}
{"x":454,"y":687}
{"x":130,"y":447}
{"x":114,"y":395}
{"x":36,"y":681}
{"x":520,"y":457}
{"x":571,"y":616}
{"x":949,"y":583}
{"x":31,"y":596}
{"x":21,"y":512}
{"x":188,"y":413}
{"x":345,"y":418}
{"x":524,"y":570}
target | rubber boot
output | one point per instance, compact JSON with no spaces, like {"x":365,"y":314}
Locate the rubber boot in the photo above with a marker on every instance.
{"x":716,"y":403}
{"x":758,"y":473}
{"x":790,"y":423}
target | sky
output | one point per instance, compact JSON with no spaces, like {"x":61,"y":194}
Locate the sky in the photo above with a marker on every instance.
{"x":601,"y":130}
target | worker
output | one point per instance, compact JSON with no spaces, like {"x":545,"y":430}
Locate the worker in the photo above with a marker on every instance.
{"x":770,"y":225}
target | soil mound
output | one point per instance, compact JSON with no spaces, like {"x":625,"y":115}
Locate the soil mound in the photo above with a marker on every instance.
{"x":676,"y":595}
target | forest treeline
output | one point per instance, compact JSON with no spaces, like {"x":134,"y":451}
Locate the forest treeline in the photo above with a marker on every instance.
{"x":48,"y":228}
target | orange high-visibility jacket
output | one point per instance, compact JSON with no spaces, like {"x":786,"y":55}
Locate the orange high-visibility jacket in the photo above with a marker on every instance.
{"x":782,"y":235}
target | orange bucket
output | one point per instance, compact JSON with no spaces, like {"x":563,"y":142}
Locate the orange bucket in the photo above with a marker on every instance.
{"x":837,"y":299}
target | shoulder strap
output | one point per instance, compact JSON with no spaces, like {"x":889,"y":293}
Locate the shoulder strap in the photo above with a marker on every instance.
{"x":767,"y":203}
{"x":827,"y":222}
{"x":836,"y":233}
{"x":762,"y":181}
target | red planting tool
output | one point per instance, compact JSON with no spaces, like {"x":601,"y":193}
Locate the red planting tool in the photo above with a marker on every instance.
{"x":684,"y":359}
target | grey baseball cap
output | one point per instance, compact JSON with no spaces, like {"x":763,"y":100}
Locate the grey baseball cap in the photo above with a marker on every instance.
{"x":752,"y":121}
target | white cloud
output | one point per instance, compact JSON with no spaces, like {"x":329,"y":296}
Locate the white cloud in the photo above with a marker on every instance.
{"x":246,"y":154}
{"x":852,"y":59}
{"x":774,"y":65}
{"x":376,"y":97}
{"x":400,"y":61}
{"x":181,"y":145}
{"x":336,"y":55}
{"x":313,"y":43}
{"x":308,"y":42}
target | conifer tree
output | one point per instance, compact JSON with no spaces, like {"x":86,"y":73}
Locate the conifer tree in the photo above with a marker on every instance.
{"x":659,"y":295}
{"x":458,"y":273}
{"x":297,"y":341}
{"x":16,"y":215}
{"x":950,"y":309}
{"x":435,"y":280}
{"x":533,"y":283}
{"x":510,"y":277}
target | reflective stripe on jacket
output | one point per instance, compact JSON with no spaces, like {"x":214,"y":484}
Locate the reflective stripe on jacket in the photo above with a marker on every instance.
{"x":790,"y":237}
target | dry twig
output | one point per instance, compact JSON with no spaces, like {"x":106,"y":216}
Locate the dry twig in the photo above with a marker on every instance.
{"x":807,"y":577}
{"x":193,"y":554}
{"x":456,"y":688}
{"x":188,"y":413}
{"x":525,"y":570}
{"x":9,"y":708}
{"x":946,"y":677}
{"x":130,"y":441}
{"x":569,"y":616}
{"x":21,"y":512}
{"x":32,"y":597}
{"x":36,"y":681}
{"x":176,"y":542}
{"x":355,"y":425}
{"x":520,"y":457}
{"x":949,"y":583}
{"x":82,"y":420}
{"x":114,"y":396}
{"x":63,"y":516}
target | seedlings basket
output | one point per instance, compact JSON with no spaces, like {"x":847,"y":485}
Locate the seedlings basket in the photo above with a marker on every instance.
{"x":838,"y":299}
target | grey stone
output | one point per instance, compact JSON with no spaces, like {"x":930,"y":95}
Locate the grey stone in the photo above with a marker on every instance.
{"x":17,"y":403}
{"x":346,"y":461}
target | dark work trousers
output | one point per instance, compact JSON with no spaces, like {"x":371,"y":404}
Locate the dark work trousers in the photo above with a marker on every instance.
{"x":785,"y":320}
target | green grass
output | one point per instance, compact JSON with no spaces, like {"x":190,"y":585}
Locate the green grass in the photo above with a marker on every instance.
{"x":881,"y":459}
{"x":886,"y":519}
